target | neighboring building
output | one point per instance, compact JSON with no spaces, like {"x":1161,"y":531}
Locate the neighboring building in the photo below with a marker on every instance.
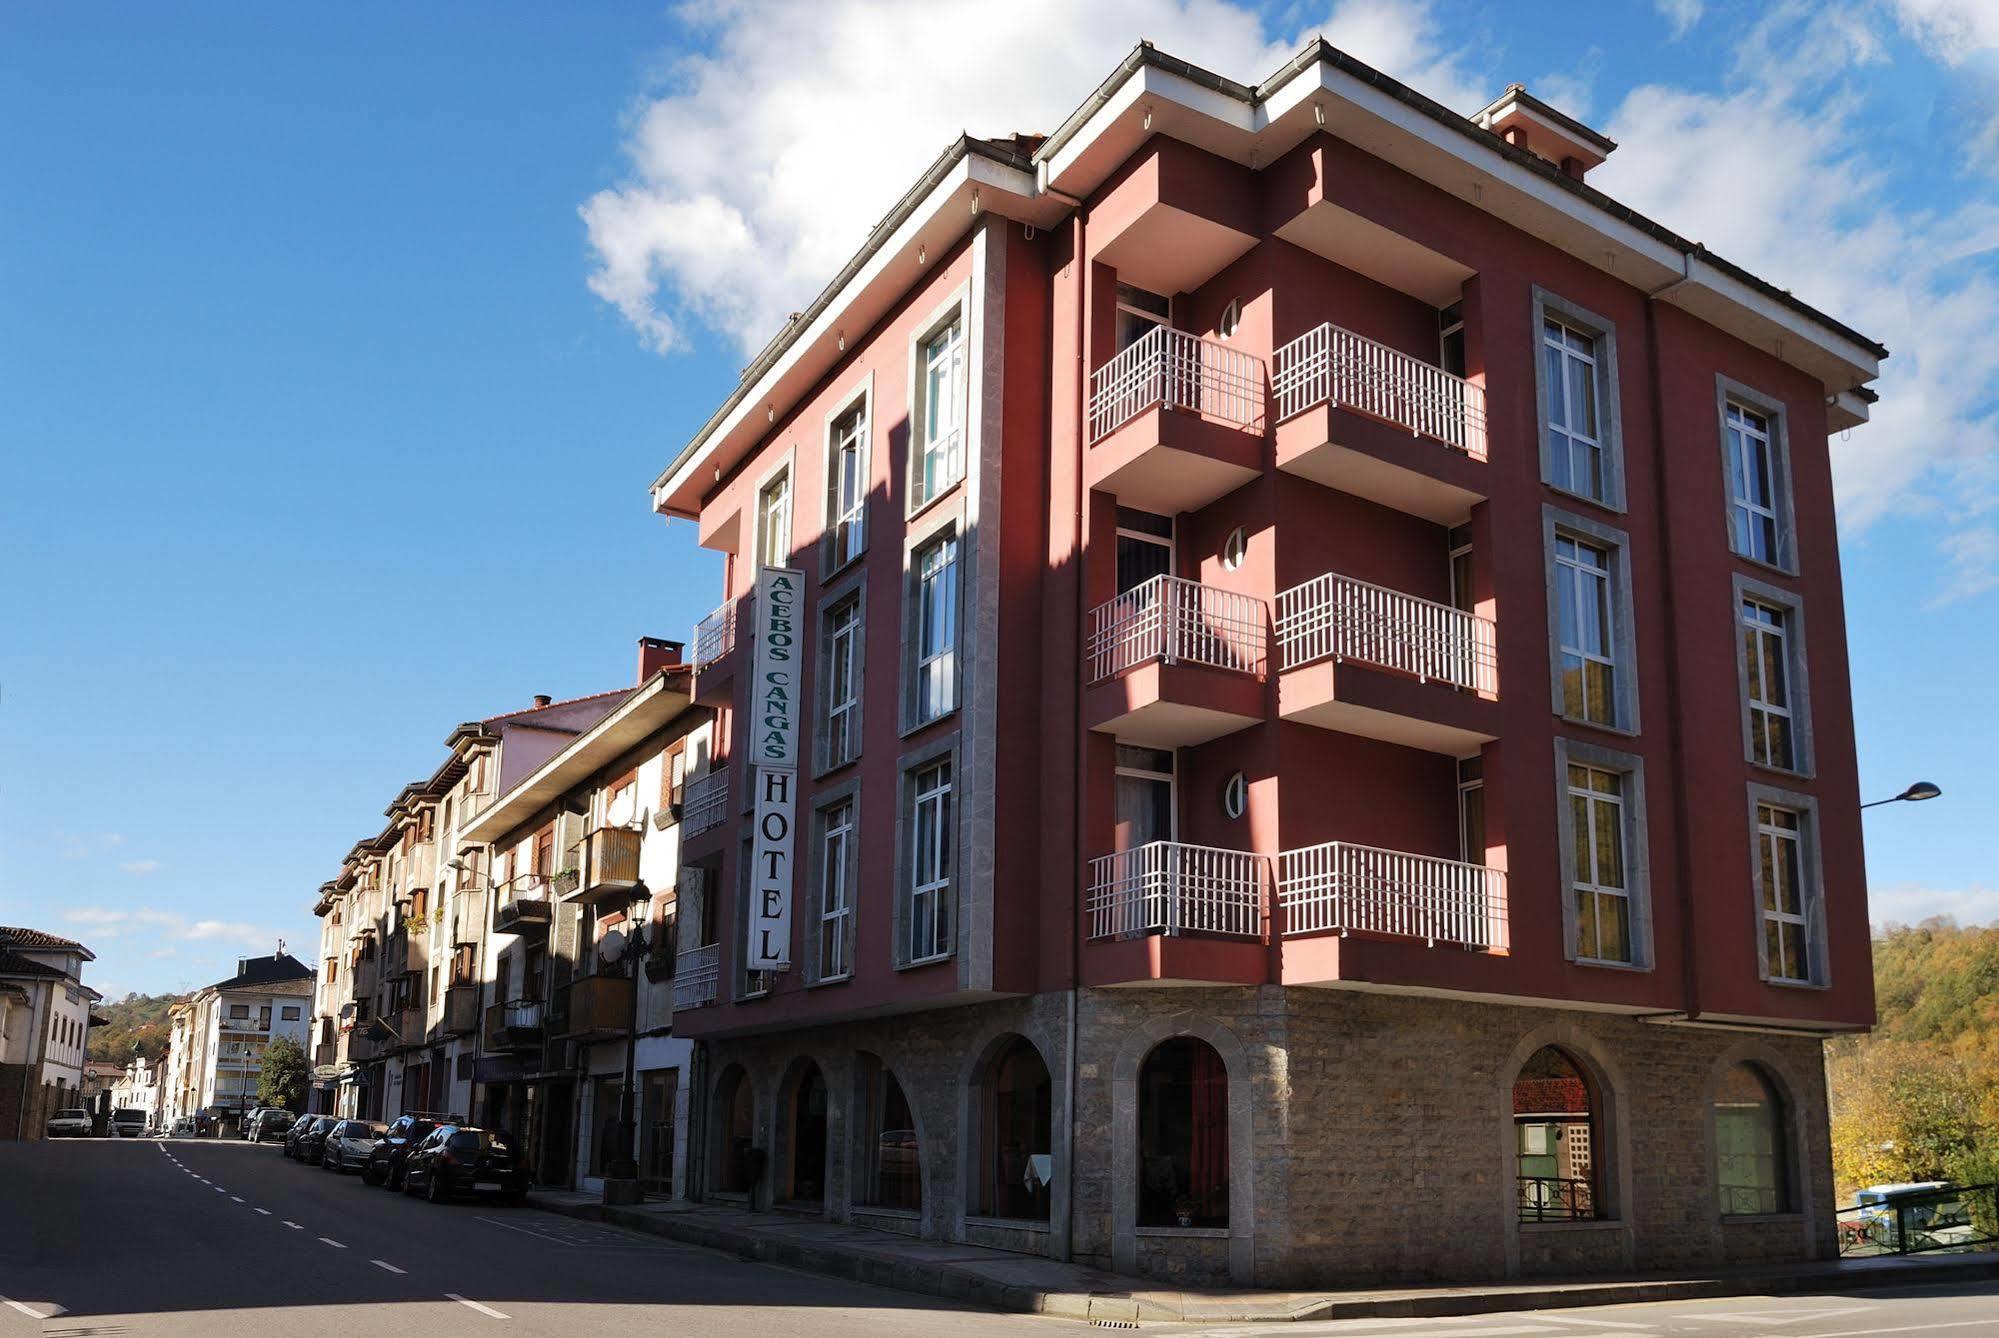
{"x":137,"y":1087}
{"x":44,"y":1028}
{"x":179,"y":1091}
{"x":1300,"y":759}
{"x":99,"y":1077}
{"x":219,"y":1034}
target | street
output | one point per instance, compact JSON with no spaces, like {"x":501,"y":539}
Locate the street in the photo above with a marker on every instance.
{"x":187,"y":1236}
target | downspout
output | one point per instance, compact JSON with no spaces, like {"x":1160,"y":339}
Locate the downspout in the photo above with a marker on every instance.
{"x":1683,"y":797}
{"x":1081,"y":263}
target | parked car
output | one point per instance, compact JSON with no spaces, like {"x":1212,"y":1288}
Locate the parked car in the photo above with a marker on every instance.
{"x":385,"y":1164}
{"x":247,"y":1130}
{"x":460,"y":1159}
{"x":183,"y":1127}
{"x":128,"y":1123}
{"x":312,"y":1143}
{"x":273,"y":1127}
{"x":350,"y":1143}
{"x":73,"y":1122}
{"x":299,"y":1128}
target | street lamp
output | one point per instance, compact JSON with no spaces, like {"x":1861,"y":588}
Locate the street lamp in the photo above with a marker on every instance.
{"x":1915,"y":794}
{"x":621,"y":1173}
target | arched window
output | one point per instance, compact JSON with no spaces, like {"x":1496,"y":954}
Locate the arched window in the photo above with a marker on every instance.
{"x":806,"y":1182}
{"x":1556,"y":1133}
{"x":1750,"y":1150}
{"x":735,"y":1134}
{"x":1017,"y":1143}
{"x":892,"y":1156}
{"x":1183,"y":1136}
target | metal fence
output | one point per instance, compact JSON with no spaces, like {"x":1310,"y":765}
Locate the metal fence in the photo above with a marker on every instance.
{"x":1178,"y":371}
{"x":1173,"y":619}
{"x":715,"y":635}
{"x":707,"y":803}
{"x":695,"y":975}
{"x":1545,"y":1198}
{"x":1339,"y":617}
{"x":1331,"y":365}
{"x":1173,"y":888}
{"x":1953,"y":1218}
{"x":1342,"y":887}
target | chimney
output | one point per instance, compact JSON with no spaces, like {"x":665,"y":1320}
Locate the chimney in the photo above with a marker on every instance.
{"x":657,"y":653}
{"x":542,"y":699}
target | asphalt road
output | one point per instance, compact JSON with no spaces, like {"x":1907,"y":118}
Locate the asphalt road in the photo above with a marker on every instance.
{"x":223,"y":1238}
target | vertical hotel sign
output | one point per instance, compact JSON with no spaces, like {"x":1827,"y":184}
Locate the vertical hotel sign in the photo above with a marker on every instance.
{"x":774,"y":705}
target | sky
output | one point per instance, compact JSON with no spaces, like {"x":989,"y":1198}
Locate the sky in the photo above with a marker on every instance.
{"x":338,"y":346}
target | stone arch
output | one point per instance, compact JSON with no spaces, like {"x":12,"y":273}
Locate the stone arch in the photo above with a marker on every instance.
{"x":859,"y":1132}
{"x":728,"y":1140}
{"x":1610,"y":1094}
{"x":1138,"y":1043}
{"x":971,"y":1122}
{"x":784,"y":1150}
{"x":1790,"y":1087}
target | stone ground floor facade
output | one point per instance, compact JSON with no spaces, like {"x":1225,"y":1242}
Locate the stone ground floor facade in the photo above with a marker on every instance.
{"x":1368,"y":1136}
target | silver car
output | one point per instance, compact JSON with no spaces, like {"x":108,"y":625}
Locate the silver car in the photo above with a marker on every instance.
{"x":349,"y":1143}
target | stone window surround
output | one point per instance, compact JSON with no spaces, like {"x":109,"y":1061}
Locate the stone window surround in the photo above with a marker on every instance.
{"x":1624,"y":639}
{"x":971,"y":1128}
{"x":718,"y":1131}
{"x":1811,"y":869}
{"x":1774,"y":411}
{"x":862,"y":396}
{"x":945,"y":746}
{"x":956,"y":306}
{"x":1797,"y":680}
{"x":938,"y":522}
{"x":1637,"y":850}
{"x":853,"y":584}
{"x":848,"y":791}
{"x":1612,"y":1149}
{"x":1797,"y":1182}
{"x":1609,"y":409}
{"x":782,"y":463}
{"x":864,"y":1065}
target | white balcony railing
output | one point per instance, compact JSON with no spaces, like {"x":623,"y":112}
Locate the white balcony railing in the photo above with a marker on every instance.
{"x":706,"y":805}
{"x":696,"y":972}
{"x":1336,"y":366}
{"x":1178,"y":371}
{"x":1338,"y":617}
{"x":1172,"y":619}
{"x":1169,"y":887}
{"x":1340,"y":887}
{"x":715,"y":635}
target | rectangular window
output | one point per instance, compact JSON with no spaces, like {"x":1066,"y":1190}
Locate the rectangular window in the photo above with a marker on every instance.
{"x":1143,"y":797}
{"x":1471,"y":809}
{"x":1781,"y":894}
{"x":290,"y":1013}
{"x":936,"y":628}
{"x":836,"y":894}
{"x":1575,"y":433}
{"x":1598,"y":883}
{"x":847,"y":490}
{"x":774,"y":522}
{"x":1766,"y":662}
{"x":1752,"y":480}
{"x":930,"y":860}
{"x":1585,"y":639}
{"x":940,"y":440}
{"x":1139,"y":313}
{"x":843,"y":682}
{"x":1144,"y":548}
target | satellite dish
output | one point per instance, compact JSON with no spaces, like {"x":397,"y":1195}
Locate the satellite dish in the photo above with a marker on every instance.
{"x":612,"y":946}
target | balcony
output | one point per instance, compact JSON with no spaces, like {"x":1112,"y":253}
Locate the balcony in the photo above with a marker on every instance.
{"x":461,"y":1009}
{"x":361,"y":1046}
{"x":325,"y":1054}
{"x":1367,"y":419}
{"x":405,"y":1030}
{"x":696,"y":973}
{"x":706,"y":805}
{"x":1356,"y":657}
{"x":408,"y":949}
{"x":244,"y":1026}
{"x":715,"y":646}
{"x":1168,"y":887}
{"x":1176,"y":422}
{"x":1173,"y":663}
{"x":594,"y":1008}
{"x":514,"y":1025}
{"x":361,"y":978}
{"x":610,"y":865}
{"x":1342,"y":888}
{"x":521,"y":905}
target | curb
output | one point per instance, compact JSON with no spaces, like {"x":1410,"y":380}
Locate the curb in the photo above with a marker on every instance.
{"x":957,"y":1285}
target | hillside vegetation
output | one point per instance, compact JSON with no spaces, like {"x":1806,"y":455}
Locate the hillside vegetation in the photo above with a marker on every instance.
{"x":138,"y":1025}
{"x":1919,"y":1098}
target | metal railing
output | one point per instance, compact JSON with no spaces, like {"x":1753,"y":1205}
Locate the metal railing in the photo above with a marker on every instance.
{"x":1173,"y":619}
{"x":1921,"y":1221}
{"x":1173,"y":888}
{"x":1341,"y":887}
{"x":696,"y":973}
{"x":1331,"y":365}
{"x":1547,"y":1198}
{"x":1336,"y":616}
{"x":715,"y":635}
{"x":1178,"y":371}
{"x":707,"y":803}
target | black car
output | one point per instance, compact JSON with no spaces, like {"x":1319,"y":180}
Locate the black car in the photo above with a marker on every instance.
{"x":310,"y":1144}
{"x":274,"y":1125}
{"x":294,"y":1131}
{"x":385,"y":1164}
{"x":459,"y":1159}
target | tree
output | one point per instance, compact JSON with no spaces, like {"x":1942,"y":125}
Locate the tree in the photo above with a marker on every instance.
{"x":283,"y":1080}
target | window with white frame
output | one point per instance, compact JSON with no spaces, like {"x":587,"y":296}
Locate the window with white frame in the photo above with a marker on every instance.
{"x":847,"y":488}
{"x":774,"y":521}
{"x":1782,"y":896}
{"x":936,"y":575}
{"x":940,"y":439}
{"x":836,"y":892}
{"x":1598,"y":880}
{"x":931,"y":852}
{"x":1752,"y":480}
{"x":1585,"y":635}
{"x":842,"y":632}
{"x":1576,"y":451}
{"x":1139,"y":313}
{"x":1145,"y":807}
{"x":1766,"y":666}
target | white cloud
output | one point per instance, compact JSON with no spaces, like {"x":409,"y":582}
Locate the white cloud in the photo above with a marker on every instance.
{"x":755,"y":174}
{"x":1682,"y":14}
{"x":139,"y":865}
{"x":1573,"y":91}
{"x":1912,"y":903}
{"x":106,"y":923}
{"x":1950,"y":29}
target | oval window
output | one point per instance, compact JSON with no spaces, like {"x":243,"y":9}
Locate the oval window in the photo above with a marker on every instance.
{"x":1235,"y":795}
{"x":1235,"y":548}
{"x":1231,"y":318}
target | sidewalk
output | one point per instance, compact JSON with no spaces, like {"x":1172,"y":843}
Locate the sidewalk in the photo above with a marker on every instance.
{"x":1001,"y":1280}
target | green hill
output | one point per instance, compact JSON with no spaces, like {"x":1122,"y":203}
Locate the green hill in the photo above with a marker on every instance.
{"x":138,"y":1025}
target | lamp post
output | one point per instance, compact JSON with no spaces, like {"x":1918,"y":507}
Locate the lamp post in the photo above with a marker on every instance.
{"x":1915,"y":794}
{"x":621,"y":1174}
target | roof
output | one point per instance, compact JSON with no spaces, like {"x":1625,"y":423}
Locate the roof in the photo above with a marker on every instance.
{"x":40,"y":940}
{"x":279,"y":969}
{"x":1517,"y":93}
{"x":14,"y":964}
{"x":567,"y":701}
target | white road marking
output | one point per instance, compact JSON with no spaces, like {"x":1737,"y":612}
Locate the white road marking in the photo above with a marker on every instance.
{"x":265,"y":1211}
{"x":482,"y":1309}
{"x":234,"y":1199}
{"x":328,"y":1240}
{"x":1777,"y":1316}
{"x":386,"y":1266}
{"x":1901,"y":1328}
{"x":1591,"y":1323}
{"x":33,"y":1313}
{"x":294,"y":1226}
{"x":220,"y":1190}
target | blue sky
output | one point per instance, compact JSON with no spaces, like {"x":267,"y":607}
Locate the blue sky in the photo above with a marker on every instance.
{"x":338,"y":349}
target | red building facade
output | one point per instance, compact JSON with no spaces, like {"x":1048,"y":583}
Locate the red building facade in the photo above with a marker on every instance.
{"x":1305,"y":647}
